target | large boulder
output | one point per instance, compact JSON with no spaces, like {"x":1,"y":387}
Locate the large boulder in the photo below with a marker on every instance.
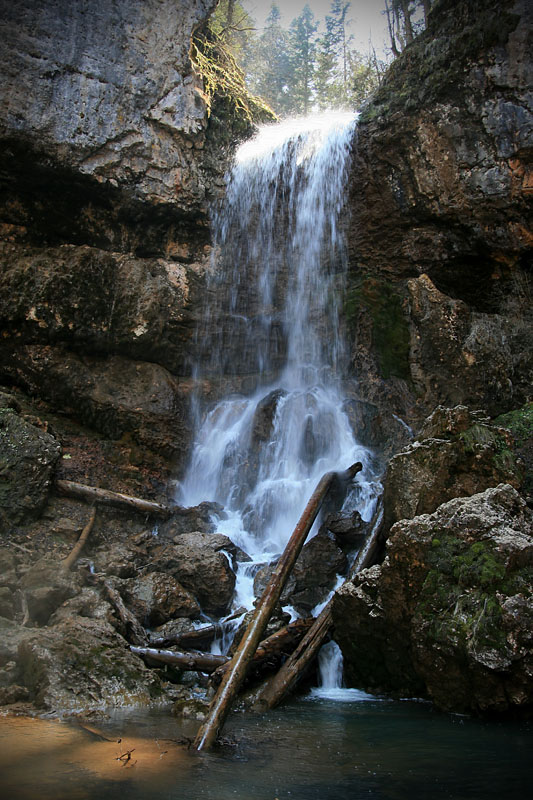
{"x":448,"y":615}
{"x":28,"y":456}
{"x":155,"y":598}
{"x":198,"y":561}
{"x":457,"y":453}
{"x":83,"y":663}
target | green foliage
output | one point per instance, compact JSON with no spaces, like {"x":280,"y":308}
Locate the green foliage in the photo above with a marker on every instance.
{"x":303,"y":53}
{"x":519,"y":422}
{"x":291,"y":70}
{"x":390,"y":330}
{"x":223,"y":77}
{"x":268,"y":64}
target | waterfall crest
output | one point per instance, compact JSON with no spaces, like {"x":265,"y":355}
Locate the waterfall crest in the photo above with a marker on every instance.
{"x":274,"y":307}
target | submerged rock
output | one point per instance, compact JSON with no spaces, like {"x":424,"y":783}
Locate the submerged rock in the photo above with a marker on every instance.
{"x":448,"y":615}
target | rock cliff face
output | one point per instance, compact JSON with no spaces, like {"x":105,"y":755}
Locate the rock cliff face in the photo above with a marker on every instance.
{"x":440,"y":306}
{"x":441,"y":240}
{"x":108,"y":165}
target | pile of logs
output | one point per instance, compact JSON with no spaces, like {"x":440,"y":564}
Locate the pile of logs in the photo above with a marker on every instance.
{"x":290,"y":650}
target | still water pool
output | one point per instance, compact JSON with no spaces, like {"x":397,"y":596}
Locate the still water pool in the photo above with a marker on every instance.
{"x":315,"y":748}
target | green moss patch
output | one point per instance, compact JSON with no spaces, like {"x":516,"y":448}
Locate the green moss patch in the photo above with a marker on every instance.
{"x":520,"y":424}
{"x":459,"y":599}
{"x":390,"y":331}
{"x":488,"y":436}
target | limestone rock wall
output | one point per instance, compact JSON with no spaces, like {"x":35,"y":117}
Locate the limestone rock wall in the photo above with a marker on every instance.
{"x":108,"y":88}
{"x":440,"y":238}
{"x":107,"y":168}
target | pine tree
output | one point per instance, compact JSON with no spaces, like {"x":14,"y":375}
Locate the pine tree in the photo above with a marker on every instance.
{"x":269,"y":64}
{"x":303,"y":52}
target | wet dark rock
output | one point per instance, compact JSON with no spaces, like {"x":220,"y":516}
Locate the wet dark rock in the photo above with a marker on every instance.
{"x":348,"y":529}
{"x":313,"y":575}
{"x":27,"y":459}
{"x":464,"y":455}
{"x":197,"y":563}
{"x":196,"y":518}
{"x":448,"y":613}
{"x":156,"y":597}
{"x":82,"y":663}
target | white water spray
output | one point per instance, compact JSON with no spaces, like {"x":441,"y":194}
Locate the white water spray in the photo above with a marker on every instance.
{"x":276,"y":288}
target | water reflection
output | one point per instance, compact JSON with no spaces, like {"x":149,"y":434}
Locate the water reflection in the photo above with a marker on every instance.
{"x":305,"y":750}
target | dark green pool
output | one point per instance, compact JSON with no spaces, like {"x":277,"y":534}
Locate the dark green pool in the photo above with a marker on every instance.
{"x":312,"y":748}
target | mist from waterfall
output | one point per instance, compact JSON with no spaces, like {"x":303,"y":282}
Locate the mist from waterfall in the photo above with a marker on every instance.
{"x":278,"y":274}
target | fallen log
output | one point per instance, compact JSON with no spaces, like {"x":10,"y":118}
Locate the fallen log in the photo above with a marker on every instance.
{"x":71,"y":559}
{"x":295,"y":666}
{"x":269,"y":650}
{"x":272,"y":649}
{"x":232,"y":680}
{"x":204,"y":662}
{"x":135,"y":633}
{"x":106,"y":497}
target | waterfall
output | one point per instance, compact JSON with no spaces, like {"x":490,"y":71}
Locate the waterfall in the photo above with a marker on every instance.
{"x":273,"y":321}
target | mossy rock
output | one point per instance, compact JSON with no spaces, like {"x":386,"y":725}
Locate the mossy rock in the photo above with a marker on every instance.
{"x":520,"y":423}
{"x":390,"y":330}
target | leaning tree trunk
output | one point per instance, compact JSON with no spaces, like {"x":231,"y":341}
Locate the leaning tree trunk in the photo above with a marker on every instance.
{"x":231,"y":683}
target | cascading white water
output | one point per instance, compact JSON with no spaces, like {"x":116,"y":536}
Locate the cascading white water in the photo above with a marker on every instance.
{"x":279,"y":267}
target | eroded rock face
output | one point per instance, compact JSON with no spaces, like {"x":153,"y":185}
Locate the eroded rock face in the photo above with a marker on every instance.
{"x":112,"y":395}
{"x":457,"y":454}
{"x":27,"y":459}
{"x":111,"y":88}
{"x":448,"y":613}
{"x":440,"y":237}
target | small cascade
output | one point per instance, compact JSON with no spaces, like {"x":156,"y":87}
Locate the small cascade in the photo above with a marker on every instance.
{"x":330,"y":683}
{"x":273,"y":318}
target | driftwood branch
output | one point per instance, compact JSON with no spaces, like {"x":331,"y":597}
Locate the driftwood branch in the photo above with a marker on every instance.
{"x":135,"y":633}
{"x":232,"y":680}
{"x":269,"y":651}
{"x":106,"y":497}
{"x":71,"y":559}
{"x":205,"y":662}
